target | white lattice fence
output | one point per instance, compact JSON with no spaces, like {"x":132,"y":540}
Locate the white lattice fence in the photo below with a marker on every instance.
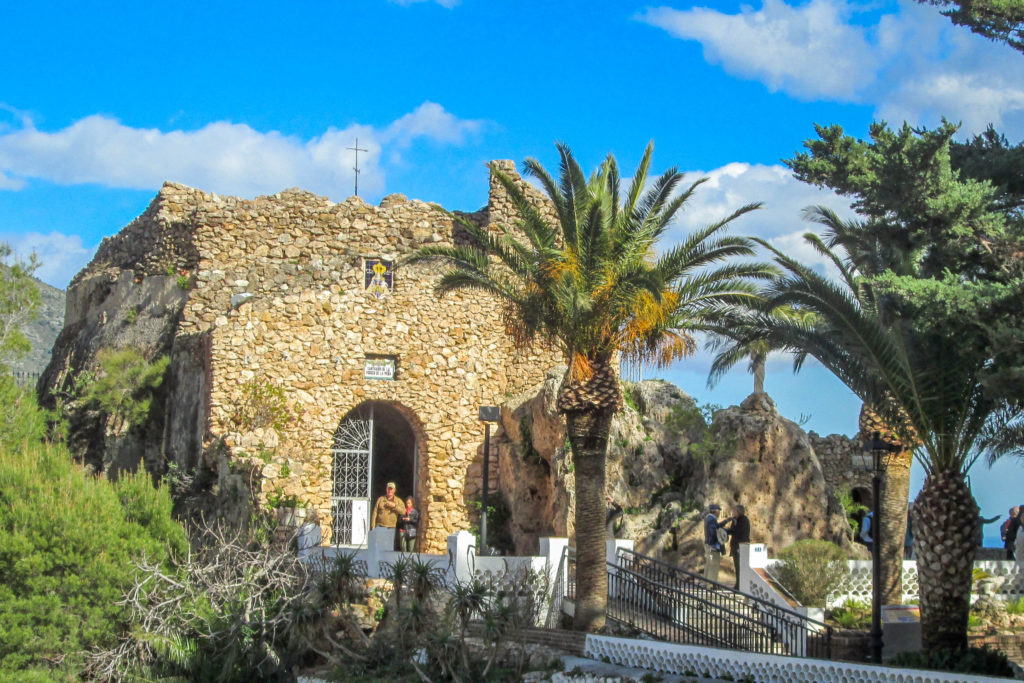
{"x":858,"y":584}
{"x":684,"y":660}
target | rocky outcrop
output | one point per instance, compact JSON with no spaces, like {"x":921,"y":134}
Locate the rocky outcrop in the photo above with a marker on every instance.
{"x":112,"y":309}
{"x":666,"y":463}
{"x":41,"y":333}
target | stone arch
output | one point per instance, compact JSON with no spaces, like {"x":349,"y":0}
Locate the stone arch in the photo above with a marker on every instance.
{"x":394,"y":442}
{"x":862,"y":495}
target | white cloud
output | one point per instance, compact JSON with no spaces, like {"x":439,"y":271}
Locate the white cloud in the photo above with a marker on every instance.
{"x":61,"y":256}
{"x":912,"y":64}
{"x":223,"y":157}
{"x":779,"y":222}
{"x":9,"y":183}
{"x":733,"y":185}
{"x":809,"y":52}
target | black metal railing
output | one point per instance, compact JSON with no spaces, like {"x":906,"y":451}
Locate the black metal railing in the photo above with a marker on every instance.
{"x":672,"y":604}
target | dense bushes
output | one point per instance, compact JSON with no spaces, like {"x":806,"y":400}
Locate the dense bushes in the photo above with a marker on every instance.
{"x":971,"y":660}
{"x":21,"y":419}
{"x":810,"y":570}
{"x":68,"y":541}
{"x":233,"y":610}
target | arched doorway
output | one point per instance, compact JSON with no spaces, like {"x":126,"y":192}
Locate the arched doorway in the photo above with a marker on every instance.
{"x":374,"y":444}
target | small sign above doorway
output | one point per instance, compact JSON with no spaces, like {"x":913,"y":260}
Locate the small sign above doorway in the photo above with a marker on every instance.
{"x":380,"y":367}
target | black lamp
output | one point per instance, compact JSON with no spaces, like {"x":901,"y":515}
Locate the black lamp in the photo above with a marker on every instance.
{"x":488,"y":414}
{"x":879,"y":450}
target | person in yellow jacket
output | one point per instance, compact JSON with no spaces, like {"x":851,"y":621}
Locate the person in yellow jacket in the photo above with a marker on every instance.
{"x":387,"y":509}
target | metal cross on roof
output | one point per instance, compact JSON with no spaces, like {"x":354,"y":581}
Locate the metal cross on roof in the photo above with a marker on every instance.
{"x":357,"y":149}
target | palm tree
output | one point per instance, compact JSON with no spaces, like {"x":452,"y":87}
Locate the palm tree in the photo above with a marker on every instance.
{"x":582,"y":274}
{"x":903,"y":371}
{"x":733,"y":344}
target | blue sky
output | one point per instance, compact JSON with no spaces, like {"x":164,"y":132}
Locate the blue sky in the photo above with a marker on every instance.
{"x":101,"y":102}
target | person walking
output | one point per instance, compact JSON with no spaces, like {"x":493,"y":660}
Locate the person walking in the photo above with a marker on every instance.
{"x":1009,"y":530}
{"x":407,"y":524}
{"x":1018,"y":546}
{"x":713,"y":547}
{"x":866,"y":531}
{"x":613,"y":517}
{"x":386,"y":511}
{"x":738,"y":528}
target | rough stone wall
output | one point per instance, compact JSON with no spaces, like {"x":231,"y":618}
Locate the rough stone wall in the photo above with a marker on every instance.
{"x":306,"y":326}
{"x":841,"y":461}
{"x":756,"y":458}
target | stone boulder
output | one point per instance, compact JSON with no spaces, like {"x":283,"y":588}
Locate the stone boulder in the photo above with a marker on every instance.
{"x":665,"y":465}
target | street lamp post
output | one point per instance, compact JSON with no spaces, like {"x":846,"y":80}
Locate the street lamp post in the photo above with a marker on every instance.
{"x":878,"y":449}
{"x":488,"y":414}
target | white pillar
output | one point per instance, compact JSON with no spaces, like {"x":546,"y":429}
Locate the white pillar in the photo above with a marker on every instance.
{"x":380,"y":540}
{"x":551,"y":549}
{"x":612,"y":546}
{"x":752,"y":556}
{"x":459,"y":544}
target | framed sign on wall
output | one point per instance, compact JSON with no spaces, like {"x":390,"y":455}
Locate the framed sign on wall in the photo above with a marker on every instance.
{"x":379,"y":276}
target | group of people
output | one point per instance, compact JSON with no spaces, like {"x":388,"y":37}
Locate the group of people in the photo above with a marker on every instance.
{"x":1012,"y":535}
{"x":735,"y":530}
{"x":391,"y":512}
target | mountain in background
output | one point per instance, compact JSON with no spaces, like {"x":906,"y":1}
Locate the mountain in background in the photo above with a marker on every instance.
{"x":41,"y":333}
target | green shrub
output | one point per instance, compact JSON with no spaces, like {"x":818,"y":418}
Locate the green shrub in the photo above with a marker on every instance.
{"x":851,"y":509}
{"x":262,"y":405}
{"x":852,"y":614}
{"x":149,"y":507}
{"x":1015,"y":606}
{"x":973,"y":660}
{"x":66,"y":555}
{"x":811,"y":570}
{"x":21,"y":418}
{"x":125,"y":385}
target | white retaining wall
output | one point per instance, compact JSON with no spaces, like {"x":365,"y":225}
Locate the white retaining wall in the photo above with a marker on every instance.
{"x":1009,"y":576}
{"x":682,"y":660}
{"x":858,"y":584}
{"x":461,"y":563}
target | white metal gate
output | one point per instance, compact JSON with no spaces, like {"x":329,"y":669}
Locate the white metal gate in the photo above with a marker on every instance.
{"x":353,"y":464}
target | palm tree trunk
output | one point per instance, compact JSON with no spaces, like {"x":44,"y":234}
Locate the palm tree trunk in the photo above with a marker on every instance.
{"x":945,"y":517}
{"x":758,"y":361}
{"x":895,"y":492}
{"x":893,"y":503}
{"x":588,"y":436}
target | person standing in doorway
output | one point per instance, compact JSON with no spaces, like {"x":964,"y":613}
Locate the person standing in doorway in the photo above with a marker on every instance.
{"x":407,"y":524}
{"x":386,"y":511}
{"x":738,"y":527}
{"x":713,"y":547}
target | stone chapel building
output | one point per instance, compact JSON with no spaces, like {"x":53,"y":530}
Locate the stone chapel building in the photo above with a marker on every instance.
{"x":293,"y":297}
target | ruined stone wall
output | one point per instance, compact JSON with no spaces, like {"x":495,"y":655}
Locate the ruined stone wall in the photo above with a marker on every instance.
{"x":310,"y":324}
{"x":842,"y":462}
{"x":272,"y":291}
